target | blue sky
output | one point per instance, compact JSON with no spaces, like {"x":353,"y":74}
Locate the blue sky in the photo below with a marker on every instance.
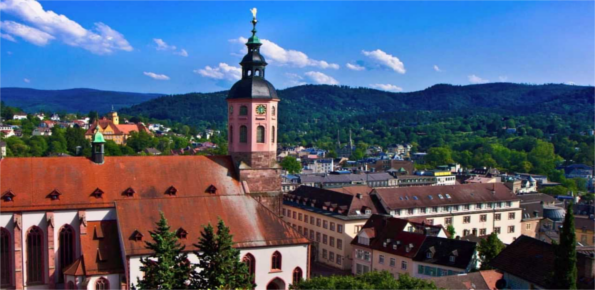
{"x":180,"y":47}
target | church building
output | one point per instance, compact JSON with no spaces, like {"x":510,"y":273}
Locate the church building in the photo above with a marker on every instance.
{"x":82,"y":223}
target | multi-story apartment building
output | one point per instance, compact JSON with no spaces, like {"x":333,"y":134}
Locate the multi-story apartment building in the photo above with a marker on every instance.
{"x":340,"y":179}
{"x":330,"y":219}
{"x":477,"y":209}
{"x":401,"y":246}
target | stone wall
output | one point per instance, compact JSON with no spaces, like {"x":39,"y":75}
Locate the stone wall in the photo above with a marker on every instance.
{"x":263,"y":159}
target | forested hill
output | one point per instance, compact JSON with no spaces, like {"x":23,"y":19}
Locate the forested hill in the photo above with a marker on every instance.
{"x":72,"y":100}
{"x":321,"y":103}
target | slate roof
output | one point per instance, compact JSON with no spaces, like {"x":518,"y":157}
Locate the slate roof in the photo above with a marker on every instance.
{"x":345,"y":178}
{"x":389,"y":231}
{"x":250,"y":223}
{"x":444,"y":248}
{"x":346,"y":201}
{"x":533,"y":260}
{"x":32,"y":179}
{"x":405,"y":197}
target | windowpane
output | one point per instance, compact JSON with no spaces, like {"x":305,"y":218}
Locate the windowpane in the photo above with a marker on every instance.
{"x":66,"y":249}
{"x":5,"y":257}
{"x":243,"y":111}
{"x":243,"y":134}
{"x":34,"y":255}
{"x":260,"y":134}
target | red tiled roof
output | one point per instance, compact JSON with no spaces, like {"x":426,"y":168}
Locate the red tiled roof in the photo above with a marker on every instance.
{"x":102,"y":241}
{"x":405,"y":197}
{"x":250,"y":223}
{"x":77,"y":268}
{"x":31,"y":179}
{"x":104,"y":123}
{"x":491,"y":277}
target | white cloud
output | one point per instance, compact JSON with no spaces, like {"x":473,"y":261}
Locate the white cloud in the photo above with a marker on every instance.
{"x":26,"y":80}
{"x":387,"y":87}
{"x":160,"y":77}
{"x":102,"y":39}
{"x":570,"y":83}
{"x":436,"y":68}
{"x":223,"y":71}
{"x":355,"y":67}
{"x":8,"y":37}
{"x":476,"y":80}
{"x":295,"y":79}
{"x":162,"y":45}
{"x":278,"y":55}
{"x":25,"y":32}
{"x":320,"y":78}
{"x":182,"y":52}
{"x":386,"y":59}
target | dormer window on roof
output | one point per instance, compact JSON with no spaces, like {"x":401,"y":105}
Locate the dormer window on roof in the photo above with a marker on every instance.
{"x":129,"y":192}
{"x":181,"y":233}
{"x":440,"y":196}
{"x":54,"y":195}
{"x":136,"y":236}
{"x":98,"y":233}
{"x":171,"y":191}
{"x":430,"y":197}
{"x":8,"y":196}
{"x":97,"y":193}
{"x":448,"y":196}
{"x":212,"y":189}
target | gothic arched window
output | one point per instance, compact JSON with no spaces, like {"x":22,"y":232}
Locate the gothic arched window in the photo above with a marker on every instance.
{"x":5,"y":257}
{"x":35,"y":255}
{"x":297,"y":275}
{"x":101,"y":284}
{"x":243,"y":111}
{"x":276,"y":261}
{"x":67,"y":248}
{"x":250,"y":261}
{"x":273,"y":134}
{"x":260,"y":134}
{"x":243,"y":134}
{"x":230,"y":134}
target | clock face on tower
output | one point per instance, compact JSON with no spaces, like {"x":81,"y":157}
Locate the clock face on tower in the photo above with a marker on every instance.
{"x":261,"y":109}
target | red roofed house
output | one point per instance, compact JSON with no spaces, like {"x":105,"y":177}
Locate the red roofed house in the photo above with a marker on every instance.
{"x":111,"y":129}
{"x":80,"y":223}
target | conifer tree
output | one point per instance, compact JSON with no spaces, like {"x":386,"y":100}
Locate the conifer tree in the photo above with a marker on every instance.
{"x":489,"y":249}
{"x":167,"y":267}
{"x":565,"y":271}
{"x":220,"y":263}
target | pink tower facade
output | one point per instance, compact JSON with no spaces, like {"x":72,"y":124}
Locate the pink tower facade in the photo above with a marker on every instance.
{"x":252,"y":123}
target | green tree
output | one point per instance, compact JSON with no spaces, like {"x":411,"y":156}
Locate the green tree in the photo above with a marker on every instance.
{"x":220,"y":263}
{"x":451,"y":231}
{"x":488,"y":249}
{"x":370,"y":280}
{"x":167,"y":267}
{"x":358,"y":154}
{"x":439,"y":156}
{"x":291,"y":165}
{"x":565,"y":271}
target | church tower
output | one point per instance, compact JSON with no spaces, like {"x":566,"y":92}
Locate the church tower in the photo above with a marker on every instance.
{"x":252,"y":122}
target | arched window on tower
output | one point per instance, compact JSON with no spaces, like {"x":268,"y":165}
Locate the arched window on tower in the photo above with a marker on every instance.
{"x":250,"y":261}
{"x":230,"y":134}
{"x":276,"y":261}
{"x":243,"y":111}
{"x":297,"y":275}
{"x":66,"y":248}
{"x":5,"y":258}
{"x":274,"y":111}
{"x":273,"y":134}
{"x":260,"y":134}
{"x":101,"y":284}
{"x":243,"y":134}
{"x":35,"y":255}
